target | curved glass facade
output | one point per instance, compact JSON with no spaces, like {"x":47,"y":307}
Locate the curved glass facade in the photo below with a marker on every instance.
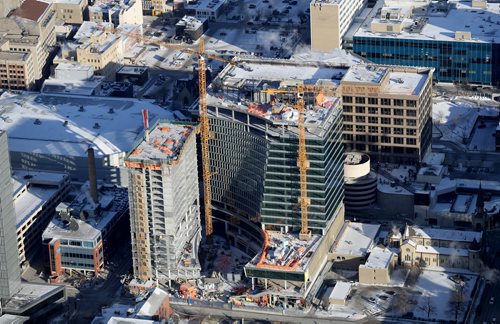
{"x":255,"y":173}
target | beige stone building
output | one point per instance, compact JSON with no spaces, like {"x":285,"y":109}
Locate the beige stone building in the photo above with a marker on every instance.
{"x":330,"y":20}
{"x":386,"y":112}
{"x":117,"y":12}
{"x":16,"y":70}
{"x":378,"y":267}
{"x":28,"y":30}
{"x":70,"y":11}
{"x":431,"y":247}
{"x":6,"y":6}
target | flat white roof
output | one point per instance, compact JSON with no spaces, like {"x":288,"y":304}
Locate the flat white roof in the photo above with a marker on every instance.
{"x":340,"y":291}
{"x":115,"y":132}
{"x":29,"y":202}
{"x":155,"y":300}
{"x":356,"y":238}
{"x":483,"y":24}
{"x":378,"y":258}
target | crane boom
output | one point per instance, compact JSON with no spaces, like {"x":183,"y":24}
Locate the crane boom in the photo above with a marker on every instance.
{"x":204,"y":120}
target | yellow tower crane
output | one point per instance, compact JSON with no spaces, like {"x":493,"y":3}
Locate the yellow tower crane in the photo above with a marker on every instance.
{"x":204,"y":120}
{"x":302,"y":162}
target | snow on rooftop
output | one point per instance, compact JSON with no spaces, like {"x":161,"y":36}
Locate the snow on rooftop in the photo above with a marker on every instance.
{"x":405,"y":83}
{"x":340,"y":291}
{"x":166,"y":141}
{"x":481,"y":23}
{"x":56,"y":124}
{"x":442,"y":234}
{"x":153,"y":303}
{"x":441,"y":250}
{"x":379,"y":258}
{"x":356,"y":238}
{"x":90,"y":28}
{"x":29,"y":200}
{"x":365,"y":73}
{"x":279,"y":70}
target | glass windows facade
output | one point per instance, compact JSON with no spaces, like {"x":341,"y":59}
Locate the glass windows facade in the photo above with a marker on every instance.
{"x":464,"y":62}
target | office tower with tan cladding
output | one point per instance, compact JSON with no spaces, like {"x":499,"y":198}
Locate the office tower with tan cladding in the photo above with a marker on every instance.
{"x":330,"y":20}
{"x":164,"y":204}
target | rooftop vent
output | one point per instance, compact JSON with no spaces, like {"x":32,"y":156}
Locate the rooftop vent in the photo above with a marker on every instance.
{"x":37,"y":122}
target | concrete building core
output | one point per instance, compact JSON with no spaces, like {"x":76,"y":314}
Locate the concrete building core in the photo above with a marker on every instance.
{"x":164,"y":203}
{"x":330,"y":20}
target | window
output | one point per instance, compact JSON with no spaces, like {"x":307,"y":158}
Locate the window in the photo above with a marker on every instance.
{"x":360,"y":128}
{"x":411,"y":122}
{"x":372,"y":129}
{"x":373,"y":101}
{"x":411,"y":103}
{"x":411,"y":141}
{"x":398,"y":102}
{"x":347,"y":99}
{"x":386,"y":102}
{"x":373,"y":120}
{"x":398,"y":121}
{"x":385,"y":121}
{"x":348,"y":128}
{"x":410,"y":131}
{"x":398,"y":112}
{"x":386,"y":111}
{"x":348,"y":118}
{"x":398,"y":131}
{"x":360,"y":110}
{"x":373,"y":111}
{"x":360,"y":119}
{"x":360,"y":100}
{"x":347,"y":109}
{"x":411,"y":113}
{"x":398,"y":140}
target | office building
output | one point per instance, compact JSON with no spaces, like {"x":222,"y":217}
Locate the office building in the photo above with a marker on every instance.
{"x":70,"y":11}
{"x":81,"y":233}
{"x":164,"y":203}
{"x":36,"y":195}
{"x":387,"y":112}
{"x":10,"y":274}
{"x":330,"y":20}
{"x":27,"y":42}
{"x":117,"y":12}
{"x":459,"y":39}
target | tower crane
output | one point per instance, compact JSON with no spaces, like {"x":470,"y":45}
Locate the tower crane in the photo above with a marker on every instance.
{"x":204,"y":120}
{"x":302,"y":162}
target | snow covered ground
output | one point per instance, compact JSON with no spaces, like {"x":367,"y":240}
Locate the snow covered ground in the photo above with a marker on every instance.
{"x":439,"y":288}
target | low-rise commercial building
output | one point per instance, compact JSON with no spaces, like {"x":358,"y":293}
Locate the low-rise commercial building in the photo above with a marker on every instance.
{"x":205,"y":9}
{"x":378,"y":267}
{"x":191,"y":27}
{"x":36,"y":194}
{"x":77,"y":237}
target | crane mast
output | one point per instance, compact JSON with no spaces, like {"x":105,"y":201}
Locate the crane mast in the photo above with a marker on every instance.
{"x":205,"y":136}
{"x":303,"y":165}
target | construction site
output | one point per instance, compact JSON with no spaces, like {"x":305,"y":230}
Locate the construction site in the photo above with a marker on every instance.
{"x":164,"y":203}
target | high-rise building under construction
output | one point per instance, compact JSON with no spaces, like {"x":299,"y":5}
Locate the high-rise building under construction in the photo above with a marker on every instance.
{"x":164,"y":203}
{"x":256,"y":191}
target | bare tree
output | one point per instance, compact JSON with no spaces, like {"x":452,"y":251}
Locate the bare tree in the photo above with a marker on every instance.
{"x":403,"y":302}
{"x":428,"y":306}
{"x":415,"y":272}
{"x":457,"y":302}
